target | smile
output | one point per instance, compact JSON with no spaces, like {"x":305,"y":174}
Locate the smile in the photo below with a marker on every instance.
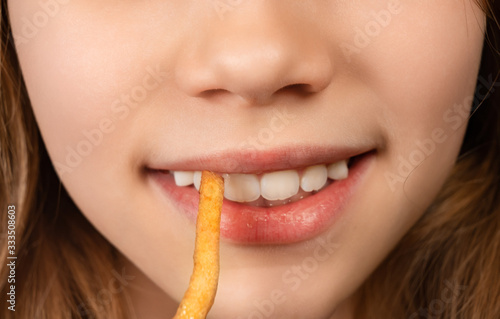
{"x":270,"y":198}
{"x":272,"y":188}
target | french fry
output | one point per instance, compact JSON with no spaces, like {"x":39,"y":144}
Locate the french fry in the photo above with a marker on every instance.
{"x":200,"y":294}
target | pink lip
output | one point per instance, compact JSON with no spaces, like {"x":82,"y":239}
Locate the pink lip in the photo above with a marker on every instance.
{"x":254,"y":161}
{"x":284,"y":224}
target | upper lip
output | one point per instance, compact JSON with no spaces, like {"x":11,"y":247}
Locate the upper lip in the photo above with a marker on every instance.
{"x":248,"y":161}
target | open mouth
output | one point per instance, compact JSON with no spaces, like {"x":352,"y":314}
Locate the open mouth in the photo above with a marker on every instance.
{"x":272,"y":188}
{"x":276,"y":206}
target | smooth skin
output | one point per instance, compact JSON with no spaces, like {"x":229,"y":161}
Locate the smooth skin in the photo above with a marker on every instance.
{"x":164,"y":81}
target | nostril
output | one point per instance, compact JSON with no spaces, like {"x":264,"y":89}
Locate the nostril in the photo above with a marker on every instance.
{"x":297,"y":88}
{"x":212,"y":93}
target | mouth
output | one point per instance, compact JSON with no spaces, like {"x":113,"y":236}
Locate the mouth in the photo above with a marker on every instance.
{"x":277,"y":197}
{"x":272,"y":188}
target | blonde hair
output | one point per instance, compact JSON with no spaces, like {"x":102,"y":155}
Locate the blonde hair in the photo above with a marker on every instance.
{"x":447,"y":265}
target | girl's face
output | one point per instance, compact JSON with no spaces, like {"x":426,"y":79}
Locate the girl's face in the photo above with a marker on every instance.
{"x":126,"y":91}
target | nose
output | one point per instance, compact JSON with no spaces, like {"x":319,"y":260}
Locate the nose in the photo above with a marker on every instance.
{"x":257,"y":54}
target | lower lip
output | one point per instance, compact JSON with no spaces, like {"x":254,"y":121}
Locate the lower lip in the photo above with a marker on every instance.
{"x":290,"y":223}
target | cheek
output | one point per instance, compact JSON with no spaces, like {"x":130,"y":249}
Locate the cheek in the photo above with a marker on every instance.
{"x":88,"y":70}
{"x":425,"y":80}
{"x":90,"y":81}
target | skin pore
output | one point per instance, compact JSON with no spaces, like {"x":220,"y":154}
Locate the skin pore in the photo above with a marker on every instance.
{"x":120,"y":87}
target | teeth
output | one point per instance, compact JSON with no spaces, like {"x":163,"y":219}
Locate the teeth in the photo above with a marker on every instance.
{"x":197,"y":180}
{"x":338,"y":170}
{"x":313,"y":178}
{"x":183,"y":178}
{"x":271,"y":186}
{"x":279,"y":185}
{"x":241,"y":187}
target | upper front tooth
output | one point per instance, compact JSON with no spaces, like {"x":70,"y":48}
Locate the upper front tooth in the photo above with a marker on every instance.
{"x":279,"y":185}
{"x":183,"y":178}
{"x":241,"y":187}
{"x":313,"y":178}
{"x":197,"y":180}
{"x":338,"y":170}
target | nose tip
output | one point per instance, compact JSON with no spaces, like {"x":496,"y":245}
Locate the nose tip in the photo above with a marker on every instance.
{"x":255,"y":66}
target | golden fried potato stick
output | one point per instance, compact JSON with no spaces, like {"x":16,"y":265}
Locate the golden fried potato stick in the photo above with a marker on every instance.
{"x":200,"y":294}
